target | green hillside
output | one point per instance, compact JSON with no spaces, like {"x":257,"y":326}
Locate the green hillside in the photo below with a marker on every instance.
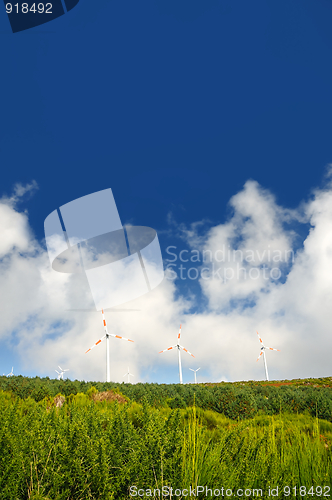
{"x":65,"y":440}
{"x":236,"y":400}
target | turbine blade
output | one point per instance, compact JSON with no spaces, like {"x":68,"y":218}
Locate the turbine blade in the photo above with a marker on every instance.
{"x":179,"y":334}
{"x":104,"y":320}
{"x":272,"y":349}
{"x":60,"y":368}
{"x":112,"y":334}
{"x":259,"y":338}
{"x":118,"y":337}
{"x":259,"y":356}
{"x":186,"y":350}
{"x":98,"y":342}
{"x":168,"y":349}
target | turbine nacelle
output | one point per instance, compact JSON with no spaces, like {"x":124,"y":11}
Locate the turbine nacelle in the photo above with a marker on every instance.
{"x":178,"y":347}
{"x":107,"y":336}
{"x":128,"y":374}
{"x":195,"y":372}
{"x":61,"y":372}
{"x":263,"y":353}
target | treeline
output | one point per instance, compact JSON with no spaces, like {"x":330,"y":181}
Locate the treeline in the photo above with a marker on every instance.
{"x":81,"y":448}
{"x":235,"y":401}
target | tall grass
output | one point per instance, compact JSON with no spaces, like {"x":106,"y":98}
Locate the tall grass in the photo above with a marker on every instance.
{"x":98,"y":450}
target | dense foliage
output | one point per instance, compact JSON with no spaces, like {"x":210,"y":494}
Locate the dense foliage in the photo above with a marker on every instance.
{"x":234,"y":400}
{"x":85,"y":446}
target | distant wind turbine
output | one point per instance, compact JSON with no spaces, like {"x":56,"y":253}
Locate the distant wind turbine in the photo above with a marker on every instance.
{"x":61,"y":372}
{"x":129,"y":375}
{"x":263,"y":352}
{"x":178,"y":347}
{"x":11,"y":373}
{"x":107,"y":336}
{"x":195,"y":373}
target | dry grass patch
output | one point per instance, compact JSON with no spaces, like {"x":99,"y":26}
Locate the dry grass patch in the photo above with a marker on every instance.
{"x":109,"y":396}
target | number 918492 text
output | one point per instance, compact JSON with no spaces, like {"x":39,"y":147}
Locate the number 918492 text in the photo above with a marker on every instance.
{"x":25,"y":8}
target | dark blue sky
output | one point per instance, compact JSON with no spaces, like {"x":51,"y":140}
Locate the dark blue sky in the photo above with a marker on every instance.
{"x":173,"y":104}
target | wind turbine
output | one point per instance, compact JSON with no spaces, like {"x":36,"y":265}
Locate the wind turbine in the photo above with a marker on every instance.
{"x":61,"y":372}
{"x":178,"y":347}
{"x":195,"y":373}
{"x":129,"y":375}
{"x":11,"y":373}
{"x":263,"y":352}
{"x":107,"y":336}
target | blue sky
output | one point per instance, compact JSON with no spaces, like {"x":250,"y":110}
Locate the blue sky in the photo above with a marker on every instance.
{"x":175,"y":106}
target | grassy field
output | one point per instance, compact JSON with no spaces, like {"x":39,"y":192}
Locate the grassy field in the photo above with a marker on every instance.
{"x":102,"y":445}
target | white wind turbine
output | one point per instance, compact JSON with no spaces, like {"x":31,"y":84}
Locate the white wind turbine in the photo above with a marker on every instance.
{"x":263,"y":352}
{"x":178,"y":347}
{"x":61,"y":372}
{"x":11,"y":373}
{"x":195,"y":373}
{"x":129,"y":375}
{"x":107,"y":337}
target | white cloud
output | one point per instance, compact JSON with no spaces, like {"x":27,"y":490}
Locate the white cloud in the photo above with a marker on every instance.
{"x":19,"y":192}
{"x":291,"y":314}
{"x":37,"y":324}
{"x":14,"y":230}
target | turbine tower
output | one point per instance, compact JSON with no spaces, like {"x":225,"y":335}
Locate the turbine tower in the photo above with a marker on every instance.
{"x":107,"y":337}
{"x":178,"y":347}
{"x":61,"y":372}
{"x":263,"y":352}
{"x":129,"y":375}
{"x":195,"y":373}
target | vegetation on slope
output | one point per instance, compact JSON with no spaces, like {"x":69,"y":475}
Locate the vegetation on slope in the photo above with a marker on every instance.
{"x":87,"y":447}
{"x":234,"y":400}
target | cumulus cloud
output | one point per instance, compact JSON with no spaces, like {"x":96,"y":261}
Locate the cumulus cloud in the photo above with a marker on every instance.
{"x":38,"y":325}
{"x":14,"y":230}
{"x":20,"y":192}
{"x":291,"y":312}
{"x":248,"y":252}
